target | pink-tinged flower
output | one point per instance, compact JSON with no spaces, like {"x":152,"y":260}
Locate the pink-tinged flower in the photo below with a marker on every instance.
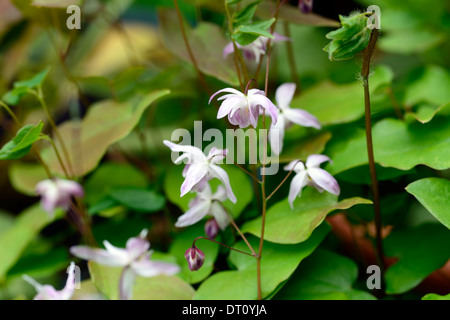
{"x":254,"y":50}
{"x":244,"y":109}
{"x":305,"y":6}
{"x":287,"y":116}
{"x":58,"y":193}
{"x":48,"y":292}
{"x":195,"y":258}
{"x":311,"y":174}
{"x":212,"y":228}
{"x":200,"y":168}
{"x":206,"y":203}
{"x":135,"y":260}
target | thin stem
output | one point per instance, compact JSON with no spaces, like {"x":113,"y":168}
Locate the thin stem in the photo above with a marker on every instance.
{"x":41,"y":100}
{"x":394,"y":102}
{"x":243,"y":169}
{"x":282,"y":182}
{"x":8,"y":109}
{"x":237,"y":229}
{"x":188,"y":47}
{"x":224,"y":245}
{"x":291,"y":56}
{"x":373,"y":175}
{"x":58,"y":155}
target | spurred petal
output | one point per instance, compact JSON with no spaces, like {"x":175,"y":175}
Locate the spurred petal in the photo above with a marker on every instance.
{"x":69,"y":288}
{"x":324,"y":180}
{"x":97,"y":255}
{"x":298,"y":182}
{"x":264,"y":102}
{"x":194,"y":214}
{"x":315,"y":160}
{"x":302,"y":117}
{"x":126,"y":284}
{"x":220,"y":215}
{"x":70,"y":187}
{"x":284,"y":95}
{"x":227,"y":106}
{"x":230,"y":90}
{"x":136,"y":247}
{"x":297,"y":165}
{"x":276,"y":135}
{"x":220,"y":195}
{"x":48,"y":293}
{"x":229,"y":48}
{"x":148,"y":268}
{"x":195,"y":173}
{"x":196,"y":153}
{"x":222,"y":175}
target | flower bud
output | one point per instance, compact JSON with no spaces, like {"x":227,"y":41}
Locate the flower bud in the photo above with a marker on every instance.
{"x":211,"y":228}
{"x":305,"y":6}
{"x":195,"y":258}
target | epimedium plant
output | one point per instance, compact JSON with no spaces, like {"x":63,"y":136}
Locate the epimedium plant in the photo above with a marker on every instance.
{"x":219,"y":227}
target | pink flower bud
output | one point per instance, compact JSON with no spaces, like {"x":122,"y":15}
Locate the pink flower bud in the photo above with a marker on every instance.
{"x":211,"y":228}
{"x":305,"y":6}
{"x":195,"y":258}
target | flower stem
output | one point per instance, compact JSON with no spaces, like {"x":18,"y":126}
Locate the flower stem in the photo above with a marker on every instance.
{"x":291,"y":56}
{"x":373,"y":175}
{"x":224,"y":245}
{"x":58,"y":155}
{"x":282,"y":182}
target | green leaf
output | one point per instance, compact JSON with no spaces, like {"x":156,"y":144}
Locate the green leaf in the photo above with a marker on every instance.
{"x":20,"y":145}
{"x":34,"y":82}
{"x":110,"y":175}
{"x":244,"y":33}
{"x":25,"y":229}
{"x":397,"y":144}
{"x":433,"y":296}
{"x":278,"y":262}
{"x":138,"y":199}
{"x":63,"y":4}
{"x":245,"y":15}
{"x":431,"y":87}
{"x":105,"y":123}
{"x":182,"y":242}
{"x":239,"y":181}
{"x":420,"y":250}
{"x":286,"y":225}
{"x":350,"y":39}
{"x":324,"y":275}
{"x":230,"y":2}
{"x":162,"y":287}
{"x":343,"y":102}
{"x":207,"y":42}
{"x":25,"y":176}
{"x":434,"y":195}
{"x":13,"y":96}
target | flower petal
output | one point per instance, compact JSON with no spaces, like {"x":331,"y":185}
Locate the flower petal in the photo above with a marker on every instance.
{"x":230,"y":90}
{"x":136,"y":247}
{"x":126,"y":284}
{"x":220,"y":195}
{"x":264,"y":102}
{"x":70,"y":187}
{"x":298,"y":182}
{"x":284,"y":95}
{"x":302,"y":117}
{"x":297,"y":165}
{"x":195,"y":173}
{"x":97,"y":255}
{"x":229,"y":48}
{"x":222,"y":175}
{"x":196,"y":153}
{"x":220,"y":215}
{"x":69,"y":288}
{"x":194,"y":214}
{"x":324,"y":180}
{"x":148,"y":268}
{"x":276,"y":135}
{"x":315,"y":160}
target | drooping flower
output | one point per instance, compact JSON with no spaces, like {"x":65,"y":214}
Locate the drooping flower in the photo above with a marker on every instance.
{"x":311,"y":174}
{"x":135,"y":260}
{"x":195,"y":258}
{"x":200,"y":168}
{"x":254,"y":50}
{"x":58,"y":193}
{"x":305,"y":6}
{"x":244,"y":109}
{"x":287,"y":116}
{"x":211,"y":228}
{"x":48,"y":292}
{"x":206,"y":203}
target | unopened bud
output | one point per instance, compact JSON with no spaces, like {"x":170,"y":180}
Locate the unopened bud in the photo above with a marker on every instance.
{"x":195,"y":258}
{"x":305,"y":6}
{"x":211,"y":228}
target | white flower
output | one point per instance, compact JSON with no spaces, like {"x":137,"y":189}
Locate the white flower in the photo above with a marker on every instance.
{"x":135,"y":260}
{"x":58,"y":193}
{"x":200,"y":168}
{"x":312,"y":175}
{"x":287,"y":116}
{"x":48,"y":292}
{"x":244,"y":109}
{"x":206,"y":203}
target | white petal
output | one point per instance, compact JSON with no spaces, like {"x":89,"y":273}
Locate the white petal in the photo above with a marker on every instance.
{"x":148,"y":268}
{"x":284,"y":95}
{"x":97,"y":255}
{"x":302,"y":118}
{"x":194,"y":214}
{"x":195,"y":152}
{"x":276,"y":135}
{"x":126,"y":284}
{"x":264,"y":102}
{"x":298,"y":182}
{"x":70,"y":187}
{"x":315,"y":160}
{"x":230,"y":90}
{"x":227,"y":106}
{"x":220,"y":215}
{"x":136,"y":247}
{"x":220,"y":195}
{"x":69,"y":288}
{"x":195,"y":173}
{"x":222,"y":175}
{"x":324,"y":180}
{"x":296,"y":165}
